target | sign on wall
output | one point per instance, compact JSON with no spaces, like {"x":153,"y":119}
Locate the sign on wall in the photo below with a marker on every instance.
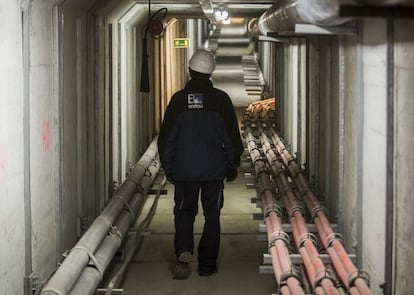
{"x":181,"y":43}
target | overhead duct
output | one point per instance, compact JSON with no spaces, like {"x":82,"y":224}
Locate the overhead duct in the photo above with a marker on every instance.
{"x":283,"y":15}
{"x":386,"y":2}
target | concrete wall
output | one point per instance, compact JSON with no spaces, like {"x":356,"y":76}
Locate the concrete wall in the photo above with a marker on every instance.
{"x":350,"y":214}
{"x":404,"y":157}
{"x":374,"y":140}
{"x":12,"y":147}
{"x":45,"y":142}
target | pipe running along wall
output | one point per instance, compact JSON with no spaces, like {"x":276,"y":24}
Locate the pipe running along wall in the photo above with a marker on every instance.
{"x":285,"y":14}
{"x":339,"y":276}
{"x":285,"y":274}
{"x":83,"y":268}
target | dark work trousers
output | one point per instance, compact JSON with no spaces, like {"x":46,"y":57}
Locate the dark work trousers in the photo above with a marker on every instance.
{"x":186,"y":197}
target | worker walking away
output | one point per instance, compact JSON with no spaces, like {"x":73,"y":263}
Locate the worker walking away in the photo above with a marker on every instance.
{"x":199,"y":146}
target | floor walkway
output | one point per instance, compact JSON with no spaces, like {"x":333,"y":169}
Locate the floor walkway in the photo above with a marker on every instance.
{"x":239,"y":259}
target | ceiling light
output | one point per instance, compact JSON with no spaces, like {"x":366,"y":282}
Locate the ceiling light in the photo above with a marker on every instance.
{"x":221,"y":13}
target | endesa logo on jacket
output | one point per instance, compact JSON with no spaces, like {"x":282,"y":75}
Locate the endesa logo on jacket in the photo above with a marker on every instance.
{"x":196,"y":100}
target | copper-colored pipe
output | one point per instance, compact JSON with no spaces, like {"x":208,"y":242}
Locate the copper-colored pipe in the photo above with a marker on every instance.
{"x":281,"y":262}
{"x":257,"y":114}
{"x":344,"y":266}
{"x":307,"y":249}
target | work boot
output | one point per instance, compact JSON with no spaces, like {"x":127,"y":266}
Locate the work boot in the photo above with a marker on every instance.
{"x":207,"y":271}
{"x":182,"y":267}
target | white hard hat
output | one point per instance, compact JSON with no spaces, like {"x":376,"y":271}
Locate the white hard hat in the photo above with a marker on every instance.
{"x":202,"y":61}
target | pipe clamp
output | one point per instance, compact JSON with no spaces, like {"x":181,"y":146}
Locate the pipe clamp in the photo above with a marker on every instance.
{"x":278,"y":235}
{"x":295,"y":209}
{"x":126,"y":205}
{"x":307,"y":237}
{"x":93,"y":260}
{"x":272,"y":208}
{"x":284,"y":276}
{"x":322,"y":275}
{"x":316,"y":210}
{"x":138,"y":186}
{"x":334,"y":237}
{"x":358,"y":274}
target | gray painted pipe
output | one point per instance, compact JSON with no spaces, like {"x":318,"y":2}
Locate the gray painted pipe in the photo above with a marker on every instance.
{"x":284,"y":14}
{"x":91,"y":277}
{"x":386,"y":2}
{"x":69,"y":271}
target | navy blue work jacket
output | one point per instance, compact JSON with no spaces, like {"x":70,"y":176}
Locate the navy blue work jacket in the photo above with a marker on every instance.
{"x":199,"y":137}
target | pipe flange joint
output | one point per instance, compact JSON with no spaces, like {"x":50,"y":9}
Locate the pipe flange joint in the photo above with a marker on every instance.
{"x":323,"y":275}
{"x":316,"y":210}
{"x":358,"y":274}
{"x":295,"y":209}
{"x":272,"y":208}
{"x":278,"y":235}
{"x":307,"y":237}
{"x":334,"y":237}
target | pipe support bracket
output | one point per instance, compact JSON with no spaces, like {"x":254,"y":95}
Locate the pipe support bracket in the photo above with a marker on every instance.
{"x":334,"y":237}
{"x":278,"y":235}
{"x":358,"y":274}
{"x":316,"y":210}
{"x":292,"y":273}
{"x":272,"y":208}
{"x":323,"y":275}
{"x":307,"y":237}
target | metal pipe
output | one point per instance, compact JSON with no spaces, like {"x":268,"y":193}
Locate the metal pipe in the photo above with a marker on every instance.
{"x":278,"y":239}
{"x":71,"y":268}
{"x":283,"y":15}
{"x":91,"y":276}
{"x":113,"y":283}
{"x":353,"y":279}
{"x":303,"y":238}
{"x":348,"y":273}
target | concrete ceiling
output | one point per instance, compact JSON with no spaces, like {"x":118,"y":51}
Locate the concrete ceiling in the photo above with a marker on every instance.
{"x":197,"y":9}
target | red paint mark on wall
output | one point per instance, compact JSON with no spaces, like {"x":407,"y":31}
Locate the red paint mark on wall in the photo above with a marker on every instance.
{"x":3,"y":166}
{"x":46,"y":136}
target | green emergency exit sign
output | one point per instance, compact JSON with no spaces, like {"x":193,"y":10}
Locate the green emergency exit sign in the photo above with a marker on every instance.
{"x":181,"y":43}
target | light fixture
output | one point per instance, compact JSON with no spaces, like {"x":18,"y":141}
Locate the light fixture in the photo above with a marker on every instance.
{"x":221,"y":13}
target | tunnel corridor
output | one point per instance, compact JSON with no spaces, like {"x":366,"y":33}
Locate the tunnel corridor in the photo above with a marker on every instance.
{"x":323,"y":93}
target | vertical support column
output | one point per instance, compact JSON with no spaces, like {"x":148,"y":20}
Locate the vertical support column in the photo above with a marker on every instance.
{"x":28,"y":284}
{"x":389,"y":206}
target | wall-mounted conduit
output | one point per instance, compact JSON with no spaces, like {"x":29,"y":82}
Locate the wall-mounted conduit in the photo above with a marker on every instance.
{"x":277,"y":170}
{"x":84,"y":266}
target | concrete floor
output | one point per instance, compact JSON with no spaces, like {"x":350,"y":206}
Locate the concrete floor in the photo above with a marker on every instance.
{"x":240,"y":254}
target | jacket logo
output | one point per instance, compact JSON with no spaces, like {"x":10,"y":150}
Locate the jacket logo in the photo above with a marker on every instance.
{"x":196,"y":100}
